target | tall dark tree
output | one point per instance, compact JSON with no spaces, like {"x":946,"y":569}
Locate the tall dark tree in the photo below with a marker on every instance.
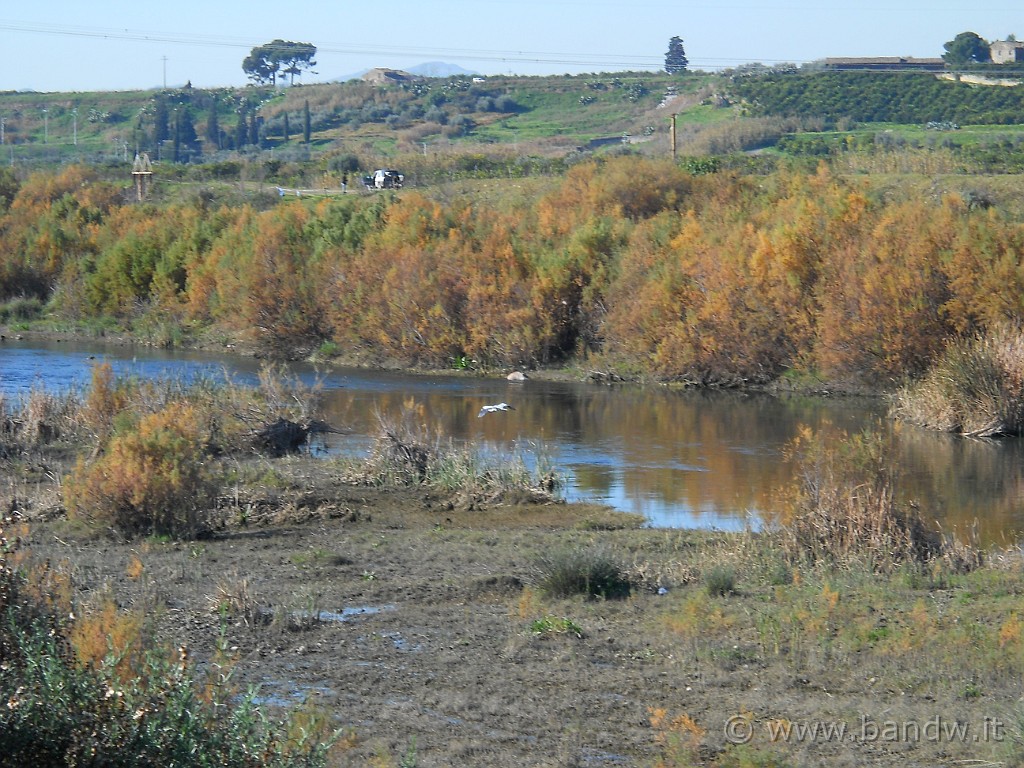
{"x":161,"y":122}
{"x":213,"y":124}
{"x":306,"y":122}
{"x":675,"y":59}
{"x":254,"y":130}
{"x":176,"y":154}
{"x":278,"y":57}
{"x":242,"y":129}
{"x":186,"y":141}
{"x":287,"y":128}
{"x":967,"y":48}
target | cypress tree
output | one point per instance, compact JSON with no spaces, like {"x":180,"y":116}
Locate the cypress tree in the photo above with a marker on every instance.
{"x":176,"y":147}
{"x":675,"y":60}
{"x":213,"y":125}
{"x":241,"y":129}
{"x":161,"y":130}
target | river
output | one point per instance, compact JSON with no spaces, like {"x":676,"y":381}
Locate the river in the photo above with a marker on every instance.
{"x":680,"y":458}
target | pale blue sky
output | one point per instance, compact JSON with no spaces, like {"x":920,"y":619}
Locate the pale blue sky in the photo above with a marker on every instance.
{"x":60,"y":45}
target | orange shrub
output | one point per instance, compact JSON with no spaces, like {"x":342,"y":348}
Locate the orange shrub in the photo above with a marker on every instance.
{"x":150,"y":479}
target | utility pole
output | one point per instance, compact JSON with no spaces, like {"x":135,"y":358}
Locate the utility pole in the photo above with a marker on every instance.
{"x":3,"y":121}
{"x":74,"y":117}
{"x":46,"y":126}
{"x":673,"y":137}
{"x":165,"y":72}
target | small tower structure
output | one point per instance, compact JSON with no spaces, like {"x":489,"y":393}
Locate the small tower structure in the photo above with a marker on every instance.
{"x":142,"y":173}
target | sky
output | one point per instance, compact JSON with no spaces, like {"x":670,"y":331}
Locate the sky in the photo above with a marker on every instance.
{"x":60,"y":45}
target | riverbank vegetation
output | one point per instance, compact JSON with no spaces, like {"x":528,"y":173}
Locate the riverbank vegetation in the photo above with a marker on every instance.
{"x":154,"y":458}
{"x":845,"y":609}
{"x":976,"y":388}
{"x":628,"y":264}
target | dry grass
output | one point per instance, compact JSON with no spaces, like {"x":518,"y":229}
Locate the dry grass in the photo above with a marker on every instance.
{"x":405,"y":454}
{"x":975,"y":389}
{"x":845,"y":511}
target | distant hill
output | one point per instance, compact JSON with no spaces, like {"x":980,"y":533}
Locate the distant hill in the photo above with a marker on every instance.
{"x":426,"y":69}
{"x":438,"y":69}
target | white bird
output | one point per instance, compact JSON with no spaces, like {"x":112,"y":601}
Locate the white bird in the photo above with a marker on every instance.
{"x":494,"y":409}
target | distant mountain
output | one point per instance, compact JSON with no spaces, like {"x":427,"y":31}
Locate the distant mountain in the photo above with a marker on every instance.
{"x":427,"y":69}
{"x":438,"y":69}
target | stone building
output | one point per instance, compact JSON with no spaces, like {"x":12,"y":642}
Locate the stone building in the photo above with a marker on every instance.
{"x":1006,"y":51}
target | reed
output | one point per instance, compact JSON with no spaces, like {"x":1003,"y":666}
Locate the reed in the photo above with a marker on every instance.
{"x":976,"y":388}
{"x":846,"y":511}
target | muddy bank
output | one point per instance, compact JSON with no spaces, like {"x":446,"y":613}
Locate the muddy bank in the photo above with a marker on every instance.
{"x":419,"y":625}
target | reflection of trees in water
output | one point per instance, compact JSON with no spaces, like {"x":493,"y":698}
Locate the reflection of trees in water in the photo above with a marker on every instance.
{"x":958,"y":481}
{"x":712,"y":453}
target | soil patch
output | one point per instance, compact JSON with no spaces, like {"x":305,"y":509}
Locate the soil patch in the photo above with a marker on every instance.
{"x":419,"y":626}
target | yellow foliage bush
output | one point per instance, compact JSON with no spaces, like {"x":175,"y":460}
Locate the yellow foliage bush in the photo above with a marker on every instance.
{"x":150,"y":479}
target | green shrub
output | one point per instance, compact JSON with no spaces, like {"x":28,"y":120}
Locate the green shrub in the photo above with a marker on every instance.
{"x":720,"y":580}
{"x":20,"y":310}
{"x":591,"y":571}
{"x":65,"y":708}
{"x":556,"y":625}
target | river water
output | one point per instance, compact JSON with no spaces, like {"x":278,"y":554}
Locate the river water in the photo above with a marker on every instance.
{"x":680,"y":458}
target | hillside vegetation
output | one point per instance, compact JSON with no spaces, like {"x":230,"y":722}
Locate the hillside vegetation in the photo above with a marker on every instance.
{"x":850,"y":255}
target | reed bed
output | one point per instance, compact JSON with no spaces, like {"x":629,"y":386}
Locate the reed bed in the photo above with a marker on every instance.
{"x":975,"y":389}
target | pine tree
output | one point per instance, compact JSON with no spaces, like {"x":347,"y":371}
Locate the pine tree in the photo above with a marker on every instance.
{"x":675,"y":60}
{"x":306,"y":123}
{"x":287,"y":128}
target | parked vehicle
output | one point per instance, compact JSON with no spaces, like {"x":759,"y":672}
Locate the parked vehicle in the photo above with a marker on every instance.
{"x":384,"y":178}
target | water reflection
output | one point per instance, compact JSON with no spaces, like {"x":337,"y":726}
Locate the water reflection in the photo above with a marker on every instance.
{"x":706,"y":459}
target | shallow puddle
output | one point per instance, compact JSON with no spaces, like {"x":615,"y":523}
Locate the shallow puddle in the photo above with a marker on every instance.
{"x":345,"y":614}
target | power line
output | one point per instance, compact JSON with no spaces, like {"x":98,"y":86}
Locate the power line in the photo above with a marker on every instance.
{"x":624,"y":60}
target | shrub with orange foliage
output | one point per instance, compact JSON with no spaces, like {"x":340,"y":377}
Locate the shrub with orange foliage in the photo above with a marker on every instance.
{"x":150,"y":479}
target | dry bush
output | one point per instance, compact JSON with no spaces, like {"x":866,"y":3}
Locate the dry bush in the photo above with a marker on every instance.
{"x":242,"y":414}
{"x":105,"y":633}
{"x":234,"y":598}
{"x":150,"y":479}
{"x":975,"y":389}
{"x":105,"y":398}
{"x":845,"y":511}
{"x":36,"y":418}
{"x":736,"y":136}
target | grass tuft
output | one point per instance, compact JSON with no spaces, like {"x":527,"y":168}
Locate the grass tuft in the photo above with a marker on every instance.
{"x":720,"y":581}
{"x":405,"y":455}
{"x":586,"y":570}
